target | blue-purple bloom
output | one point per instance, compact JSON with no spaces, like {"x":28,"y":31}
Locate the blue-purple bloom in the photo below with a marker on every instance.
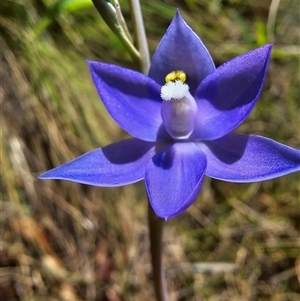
{"x":182,"y":127}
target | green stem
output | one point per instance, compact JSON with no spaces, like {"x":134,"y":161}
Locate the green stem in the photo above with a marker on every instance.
{"x":140,"y":34}
{"x":155,"y":233}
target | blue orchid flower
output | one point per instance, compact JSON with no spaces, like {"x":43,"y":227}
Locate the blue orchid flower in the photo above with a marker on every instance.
{"x":181,"y":117}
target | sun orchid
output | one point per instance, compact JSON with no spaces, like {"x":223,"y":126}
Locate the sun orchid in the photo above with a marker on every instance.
{"x":181,"y":117}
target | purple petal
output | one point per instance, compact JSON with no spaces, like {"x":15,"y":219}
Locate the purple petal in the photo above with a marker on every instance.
{"x":174,"y":177}
{"x":181,"y":49}
{"x":117,"y":164}
{"x":248,"y":158}
{"x":132,"y":99}
{"x":226,"y":97}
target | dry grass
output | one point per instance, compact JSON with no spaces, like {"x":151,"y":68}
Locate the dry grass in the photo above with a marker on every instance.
{"x":65,"y":241}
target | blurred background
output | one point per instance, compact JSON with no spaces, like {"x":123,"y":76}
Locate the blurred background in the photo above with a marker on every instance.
{"x":69,"y":242}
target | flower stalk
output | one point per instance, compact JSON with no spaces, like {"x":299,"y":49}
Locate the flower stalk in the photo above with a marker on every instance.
{"x":155,"y":234}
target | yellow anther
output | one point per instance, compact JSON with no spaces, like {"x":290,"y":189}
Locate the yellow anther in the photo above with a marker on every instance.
{"x":176,"y":75}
